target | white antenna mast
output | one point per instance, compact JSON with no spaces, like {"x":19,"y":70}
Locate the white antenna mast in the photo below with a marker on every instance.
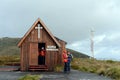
{"x":92,"y":42}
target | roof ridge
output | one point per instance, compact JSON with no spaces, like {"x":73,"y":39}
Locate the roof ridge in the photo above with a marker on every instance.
{"x":31,"y":28}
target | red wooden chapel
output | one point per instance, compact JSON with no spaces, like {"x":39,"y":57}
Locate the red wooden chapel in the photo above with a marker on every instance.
{"x":40,"y":50}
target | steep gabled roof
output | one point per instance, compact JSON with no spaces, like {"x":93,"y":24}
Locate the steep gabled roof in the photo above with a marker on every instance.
{"x":60,"y":39}
{"x":33,"y":26}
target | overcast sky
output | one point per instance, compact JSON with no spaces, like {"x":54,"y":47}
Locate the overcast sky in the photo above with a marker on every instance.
{"x":70,"y":20}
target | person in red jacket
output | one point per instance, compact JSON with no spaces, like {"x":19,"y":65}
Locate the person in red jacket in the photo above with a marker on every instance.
{"x":42,"y":53}
{"x":65,"y":59}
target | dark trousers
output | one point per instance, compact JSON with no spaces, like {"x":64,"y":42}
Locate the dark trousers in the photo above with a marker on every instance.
{"x":68,"y":64}
{"x":41,"y":60}
{"x":65,"y":67}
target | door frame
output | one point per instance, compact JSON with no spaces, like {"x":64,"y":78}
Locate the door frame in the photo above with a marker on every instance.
{"x":43,"y":43}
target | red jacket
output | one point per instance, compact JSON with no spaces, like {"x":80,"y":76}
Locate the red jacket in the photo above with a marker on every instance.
{"x":65,"y":57}
{"x":42,"y":53}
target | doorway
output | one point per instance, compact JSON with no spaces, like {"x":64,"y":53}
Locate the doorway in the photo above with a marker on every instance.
{"x":42,"y":53}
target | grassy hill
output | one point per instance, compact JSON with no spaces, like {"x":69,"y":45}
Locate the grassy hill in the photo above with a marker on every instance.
{"x":8,"y":46}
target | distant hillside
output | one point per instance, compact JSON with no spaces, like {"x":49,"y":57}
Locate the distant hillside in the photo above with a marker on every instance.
{"x":78,"y":54}
{"x":8,"y":46}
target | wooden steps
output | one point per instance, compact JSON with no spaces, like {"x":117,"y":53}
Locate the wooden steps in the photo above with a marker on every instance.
{"x":38,"y":68}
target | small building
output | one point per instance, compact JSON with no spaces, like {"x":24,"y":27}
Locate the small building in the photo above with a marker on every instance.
{"x":39,"y":38}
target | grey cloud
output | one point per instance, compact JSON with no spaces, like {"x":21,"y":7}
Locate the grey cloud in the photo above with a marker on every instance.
{"x":70,"y":20}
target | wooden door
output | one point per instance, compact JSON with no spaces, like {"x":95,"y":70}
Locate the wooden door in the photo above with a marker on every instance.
{"x":33,"y":60}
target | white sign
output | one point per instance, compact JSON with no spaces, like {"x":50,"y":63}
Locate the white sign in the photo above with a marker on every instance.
{"x":51,"y":47}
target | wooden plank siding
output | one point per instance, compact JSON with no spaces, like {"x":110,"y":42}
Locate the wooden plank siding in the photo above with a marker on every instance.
{"x":33,"y":54}
{"x":29,"y":48}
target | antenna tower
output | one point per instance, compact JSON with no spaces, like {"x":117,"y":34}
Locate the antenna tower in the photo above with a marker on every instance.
{"x":92,"y":43}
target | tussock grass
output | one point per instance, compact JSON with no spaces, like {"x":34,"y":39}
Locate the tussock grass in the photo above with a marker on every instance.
{"x":58,"y":68}
{"x":8,"y":59}
{"x":30,"y":77}
{"x":102,"y":67}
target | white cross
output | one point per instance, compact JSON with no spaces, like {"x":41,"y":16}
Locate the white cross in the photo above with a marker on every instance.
{"x":38,"y":28}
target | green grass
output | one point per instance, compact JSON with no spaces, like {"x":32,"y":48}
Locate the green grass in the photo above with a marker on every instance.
{"x":8,"y":59}
{"x":102,"y":67}
{"x":30,"y":77}
{"x":58,"y":68}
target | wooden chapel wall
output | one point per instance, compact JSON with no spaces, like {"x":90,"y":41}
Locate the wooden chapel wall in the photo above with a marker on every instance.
{"x":25,"y":49}
{"x":51,"y":56}
{"x":24,"y":56}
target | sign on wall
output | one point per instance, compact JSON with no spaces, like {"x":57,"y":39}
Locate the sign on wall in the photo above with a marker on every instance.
{"x":51,"y":48}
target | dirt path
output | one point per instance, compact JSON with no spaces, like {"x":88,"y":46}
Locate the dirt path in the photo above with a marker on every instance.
{"x":74,"y":75}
